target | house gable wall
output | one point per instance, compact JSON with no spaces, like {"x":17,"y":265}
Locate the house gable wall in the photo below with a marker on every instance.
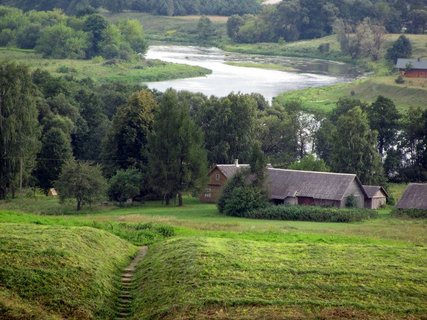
{"x":354,"y":189}
{"x":212,"y":192}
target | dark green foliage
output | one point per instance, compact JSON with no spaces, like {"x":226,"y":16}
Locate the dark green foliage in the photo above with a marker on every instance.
{"x":229,"y":125}
{"x":354,"y":149}
{"x":205,"y":29}
{"x":317,"y":214}
{"x":81,"y":181}
{"x":126,"y":145}
{"x":384,"y":118}
{"x":351,"y":202}
{"x":410,"y":213}
{"x":242,"y":194}
{"x":402,"y":48}
{"x":177,"y":152}
{"x":55,"y":35}
{"x":19,"y":128}
{"x":55,"y":151}
{"x":124,"y":185}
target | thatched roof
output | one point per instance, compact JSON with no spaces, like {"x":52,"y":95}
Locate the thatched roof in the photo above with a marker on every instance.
{"x":229,"y":170}
{"x":371,"y":191}
{"x":414,"y":197}
{"x":319,"y":185}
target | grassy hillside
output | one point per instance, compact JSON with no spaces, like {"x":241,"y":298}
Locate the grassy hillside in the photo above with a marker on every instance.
{"x":179,"y":29}
{"x":99,"y":70}
{"x":54,"y":272}
{"x":413,"y":93}
{"x":206,"y":278}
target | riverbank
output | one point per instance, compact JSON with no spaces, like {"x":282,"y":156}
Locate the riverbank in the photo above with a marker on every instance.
{"x":100,"y":70}
{"x":411,"y":94}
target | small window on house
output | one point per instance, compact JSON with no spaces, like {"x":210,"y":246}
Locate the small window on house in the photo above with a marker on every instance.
{"x":217,"y":177}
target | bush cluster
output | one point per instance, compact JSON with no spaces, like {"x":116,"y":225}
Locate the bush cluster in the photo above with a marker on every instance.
{"x":306,"y":213}
{"x":410,"y":213}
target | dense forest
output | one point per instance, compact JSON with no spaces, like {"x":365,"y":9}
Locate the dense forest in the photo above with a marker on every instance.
{"x":166,"y":141}
{"x":292,"y":20}
{"x":162,"y":7}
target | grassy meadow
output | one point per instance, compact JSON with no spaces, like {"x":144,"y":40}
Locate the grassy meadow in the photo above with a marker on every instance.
{"x":203,"y":265}
{"x":178,"y":29}
{"x":56,"y":272}
{"x":134,"y":72}
{"x":413,"y":93}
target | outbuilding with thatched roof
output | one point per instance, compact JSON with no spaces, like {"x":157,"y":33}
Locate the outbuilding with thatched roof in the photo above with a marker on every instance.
{"x":377,"y":197}
{"x":414,"y":197}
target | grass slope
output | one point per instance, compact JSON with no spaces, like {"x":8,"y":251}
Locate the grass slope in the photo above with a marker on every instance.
{"x":180,"y":29}
{"x":129,"y":72}
{"x":54,"y":272}
{"x":411,"y":94}
{"x":206,"y":278}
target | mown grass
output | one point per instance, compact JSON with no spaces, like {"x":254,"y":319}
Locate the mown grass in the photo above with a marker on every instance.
{"x":134,"y":72}
{"x":411,"y":94}
{"x":56,"y":272}
{"x":206,"y":278}
{"x":219,"y":267}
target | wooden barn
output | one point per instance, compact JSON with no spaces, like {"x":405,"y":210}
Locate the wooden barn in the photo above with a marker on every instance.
{"x":314,"y":188}
{"x":294,"y":187}
{"x":412,"y":68}
{"x":377,"y":197}
{"x":414,"y":197}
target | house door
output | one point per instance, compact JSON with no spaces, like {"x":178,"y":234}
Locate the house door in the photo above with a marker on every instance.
{"x":305,"y":201}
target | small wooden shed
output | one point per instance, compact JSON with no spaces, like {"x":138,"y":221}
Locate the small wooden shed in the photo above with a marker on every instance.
{"x":376,"y":197}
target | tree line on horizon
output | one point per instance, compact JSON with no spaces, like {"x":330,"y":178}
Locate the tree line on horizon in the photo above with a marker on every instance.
{"x":293,"y":20}
{"x":160,"y":145}
{"x":160,"y":7}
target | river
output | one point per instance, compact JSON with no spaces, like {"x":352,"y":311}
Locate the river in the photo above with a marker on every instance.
{"x":227,"y":78}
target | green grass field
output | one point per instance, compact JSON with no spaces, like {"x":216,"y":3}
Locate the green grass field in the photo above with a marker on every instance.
{"x":207,"y":278}
{"x":219,"y":267}
{"x":129,"y":72}
{"x":411,"y":94}
{"x":179,"y":29}
{"x":55,"y":272}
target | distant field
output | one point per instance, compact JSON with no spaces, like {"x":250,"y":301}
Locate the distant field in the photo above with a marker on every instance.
{"x":180,"y":29}
{"x":413,"y":93}
{"x":53,"y":272}
{"x":130,"y":72}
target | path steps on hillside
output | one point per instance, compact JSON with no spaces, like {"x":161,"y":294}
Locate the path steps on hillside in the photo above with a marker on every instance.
{"x":124,"y":302}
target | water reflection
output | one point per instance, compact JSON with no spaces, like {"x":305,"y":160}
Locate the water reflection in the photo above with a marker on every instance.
{"x":226,"y":78}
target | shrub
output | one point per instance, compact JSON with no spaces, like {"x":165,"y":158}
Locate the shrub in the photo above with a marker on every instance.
{"x":410,"y":213}
{"x":324,"y":48}
{"x":351,"y":202}
{"x":306,"y":213}
{"x":244,"y":199}
{"x":399,"y":80}
{"x":126,"y":184}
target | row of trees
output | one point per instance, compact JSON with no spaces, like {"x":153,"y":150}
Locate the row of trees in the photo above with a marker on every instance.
{"x":170,"y":139}
{"x":162,"y":7}
{"x":293,"y":20}
{"x":56,"y":35}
